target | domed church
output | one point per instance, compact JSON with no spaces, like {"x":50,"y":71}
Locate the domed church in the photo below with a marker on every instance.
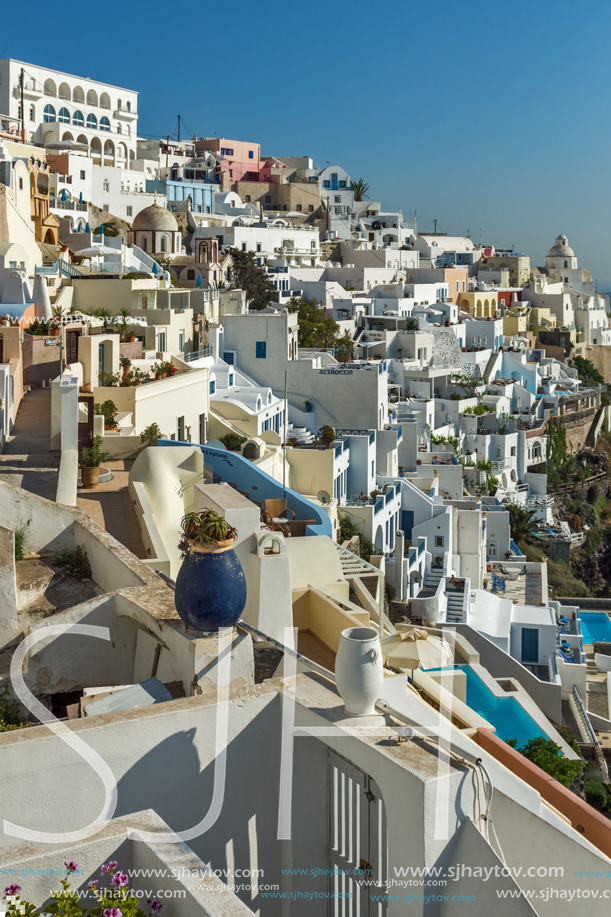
{"x":561,"y":256}
{"x":156,"y":232}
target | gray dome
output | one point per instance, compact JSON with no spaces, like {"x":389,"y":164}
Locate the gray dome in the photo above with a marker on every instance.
{"x":155,"y":218}
{"x":561,"y":249}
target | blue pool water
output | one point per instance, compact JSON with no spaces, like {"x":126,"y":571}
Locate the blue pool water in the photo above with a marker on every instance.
{"x":508,"y":717}
{"x":595,"y":625}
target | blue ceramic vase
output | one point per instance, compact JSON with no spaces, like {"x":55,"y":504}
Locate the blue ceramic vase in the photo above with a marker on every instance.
{"x":210,"y":588}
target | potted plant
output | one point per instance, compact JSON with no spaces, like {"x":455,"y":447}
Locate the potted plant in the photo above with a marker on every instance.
{"x":326,"y":435}
{"x":151,"y":434}
{"x":125,"y":365}
{"x":169,"y":369}
{"x":157,"y":370}
{"x":108,"y":410}
{"x":210,"y":586}
{"x":90,"y":460}
{"x":485,"y":583}
{"x":108,"y":380}
{"x":308,"y":406}
{"x":137,"y":376}
{"x":54,"y":330}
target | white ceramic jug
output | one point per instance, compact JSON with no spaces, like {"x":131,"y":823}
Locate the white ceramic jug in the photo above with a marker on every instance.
{"x":359,"y":671}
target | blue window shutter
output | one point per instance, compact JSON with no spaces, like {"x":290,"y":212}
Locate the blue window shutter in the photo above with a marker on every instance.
{"x":261,"y":350}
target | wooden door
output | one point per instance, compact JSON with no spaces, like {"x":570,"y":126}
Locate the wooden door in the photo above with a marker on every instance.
{"x":72,"y":346}
{"x":85,"y":420}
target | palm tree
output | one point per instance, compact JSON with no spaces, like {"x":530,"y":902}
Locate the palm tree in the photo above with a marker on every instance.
{"x":359,"y":189}
{"x":524,"y":526}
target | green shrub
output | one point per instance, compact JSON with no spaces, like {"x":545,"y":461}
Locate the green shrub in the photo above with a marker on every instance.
{"x":20,"y":541}
{"x":150,"y":434}
{"x":233,"y":441}
{"x":76,"y":562}
{"x":548,"y":756}
{"x":10,"y":717}
{"x":595,"y":793}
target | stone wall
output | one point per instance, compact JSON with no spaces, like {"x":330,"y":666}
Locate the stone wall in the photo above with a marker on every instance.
{"x":40,"y":359}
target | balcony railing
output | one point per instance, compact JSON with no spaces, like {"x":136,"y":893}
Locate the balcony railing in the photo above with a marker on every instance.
{"x":197,"y":354}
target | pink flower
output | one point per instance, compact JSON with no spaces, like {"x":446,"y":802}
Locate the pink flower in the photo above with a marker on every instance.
{"x":92,"y":885}
{"x":119,"y":880}
{"x":71,"y":866}
{"x":11,"y":890}
{"x":113,"y":912}
{"x":109,"y":867}
{"x":155,"y":905}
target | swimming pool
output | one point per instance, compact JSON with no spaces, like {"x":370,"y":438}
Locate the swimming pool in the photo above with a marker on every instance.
{"x":595,"y":625}
{"x":509,"y":718}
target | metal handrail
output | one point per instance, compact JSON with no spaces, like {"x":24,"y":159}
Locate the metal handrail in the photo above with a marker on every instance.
{"x":586,"y":720}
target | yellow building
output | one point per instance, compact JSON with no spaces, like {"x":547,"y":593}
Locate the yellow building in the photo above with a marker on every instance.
{"x":541,"y":320}
{"x":479,"y":304}
{"x":516,"y":321}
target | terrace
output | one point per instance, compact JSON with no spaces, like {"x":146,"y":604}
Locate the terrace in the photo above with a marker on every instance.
{"x":524,"y":583}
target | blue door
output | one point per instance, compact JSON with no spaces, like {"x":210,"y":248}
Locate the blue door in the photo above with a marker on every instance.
{"x":530,"y":644}
{"x":407,"y":523}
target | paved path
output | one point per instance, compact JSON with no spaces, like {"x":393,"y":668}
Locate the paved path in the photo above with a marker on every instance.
{"x":110,"y":505}
{"x":27,"y":461}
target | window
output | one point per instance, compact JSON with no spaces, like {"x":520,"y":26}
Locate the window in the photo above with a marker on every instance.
{"x":202,"y":428}
{"x":105,"y":125}
{"x":342,"y":184}
{"x":313,"y":244}
{"x":513,"y":450}
{"x":190,"y":275}
{"x":64,"y":117}
{"x":77,"y":118}
{"x":299,"y":208}
{"x":212,"y":386}
{"x":105,"y":208}
{"x":457,"y":286}
{"x":92,"y":122}
{"x":258,"y":246}
{"x":119,"y":128}
{"x":144,"y":244}
{"x":128,"y":211}
{"x":162,"y":243}
{"x":247,"y":198}
{"x":326,"y":184}
{"x":180,"y":427}
{"x":161,"y":342}
{"x":333,"y":176}
{"x":251,"y":154}
{"x":268,"y":199}
{"x":566,"y":263}
{"x":439,"y":541}
{"x":181,"y":341}
{"x":49,"y":114}
{"x":82,"y":175}
{"x":21,"y":184}
{"x":261,"y":350}
{"x":230,"y":378}
{"x":128,"y":106}
{"x":32,"y":113}
{"x":243,"y":246}
{"x":145,"y":302}
{"x":337,"y":199}
{"x":310,"y":208}
{"x":105,"y":185}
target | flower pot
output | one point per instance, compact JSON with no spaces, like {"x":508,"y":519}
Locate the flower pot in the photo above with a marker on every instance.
{"x":90,"y":475}
{"x":359,"y":672}
{"x":130,"y":339}
{"x":210,"y":588}
{"x":308,"y":408}
{"x":86,"y":388}
{"x":125,"y":373}
{"x":54,"y":332}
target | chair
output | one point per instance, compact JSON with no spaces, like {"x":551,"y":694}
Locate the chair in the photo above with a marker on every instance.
{"x":275,"y":513}
{"x":298,"y":527}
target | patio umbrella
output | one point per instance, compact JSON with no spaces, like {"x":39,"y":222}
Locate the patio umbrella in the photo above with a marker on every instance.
{"x":67,"y":145}
{"x":102,"y":229}
{"x":200,"y":282}
{"x":96,"y":251}
{"x":87,"y":229}
{"x":415,"y":648}
{"x":80,"y":198}
{"x":155,"y":268}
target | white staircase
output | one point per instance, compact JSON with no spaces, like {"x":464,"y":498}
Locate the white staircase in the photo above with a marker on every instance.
{"x":301,"y":434}
{"x":454,"y":614}
{"x":433,"y":577}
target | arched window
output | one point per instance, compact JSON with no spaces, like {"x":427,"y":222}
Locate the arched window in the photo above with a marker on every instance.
{"x":49,"y":114}
{"x":119,"y":129}
{"x":77,"y":118}
{"x":119,"y":104}
{"x":104,"y":100}
{"x":92,"y":97}
{"x":104,"y":124}
{"x":162,"y":248}
{"x":32,"y":113}
{"x":77,"y":94}
{"x":128,"y":106}
{"x":50,"y":89}
{"x":64,"y":91}
{"x":64,"y":116}
{"x":92,"y":122}
{"x":144,"y":243}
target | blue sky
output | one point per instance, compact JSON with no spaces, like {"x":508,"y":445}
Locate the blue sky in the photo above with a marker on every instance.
{"x":489,"y":117}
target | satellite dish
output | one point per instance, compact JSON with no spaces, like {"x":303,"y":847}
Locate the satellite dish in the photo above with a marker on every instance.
{"x":324,"y":497}
{"x":415,"y":576}
{"x":215,"y":444}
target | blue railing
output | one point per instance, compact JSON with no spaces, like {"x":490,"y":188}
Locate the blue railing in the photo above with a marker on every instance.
{"x":197,"y":354}
{"x":379,"y":504}
{"x":389,"y":495}
{"x":515,"y":548}
{"x":47,"y":269}
{"x":338,"y":450}
{"x":420,"y":546}
{"x":372,"y":436}
{"x":412,"y":556}
{"x":260,"y":486}
{"x":68,"y":270}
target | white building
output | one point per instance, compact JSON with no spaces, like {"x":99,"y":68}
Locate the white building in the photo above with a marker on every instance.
{"x":59,"y":106}
{"x":275,"y":241}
